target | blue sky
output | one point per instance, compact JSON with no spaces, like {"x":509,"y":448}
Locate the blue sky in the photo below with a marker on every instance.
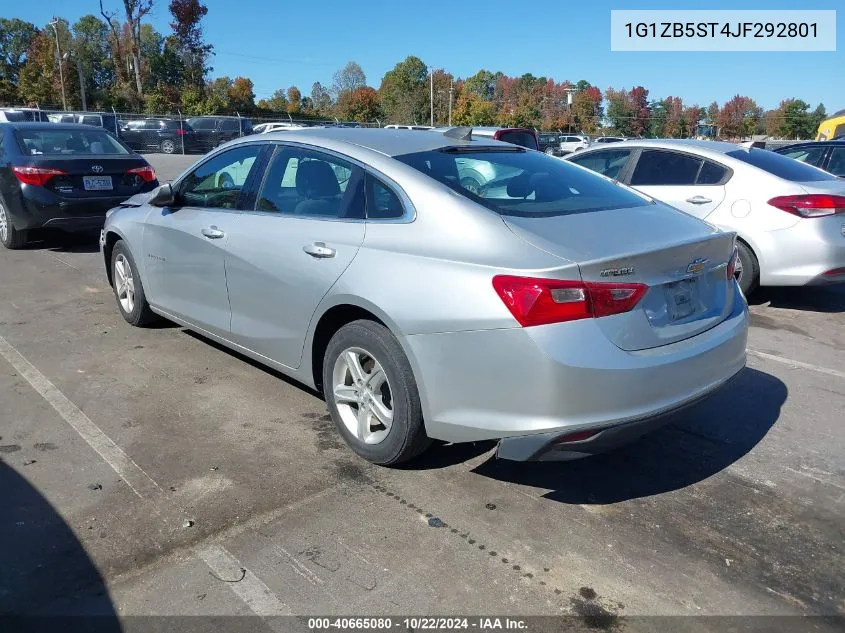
{"x":278,"y":44}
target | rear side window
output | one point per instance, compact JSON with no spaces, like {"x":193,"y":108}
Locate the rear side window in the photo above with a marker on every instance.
{"x":90,"y":119}
{"x":836,"y":166}
{"x":228,"y":125}
{"x":202,"y":124}
{"x":657,"y":167}
{"x":521,"y":183}
{"x":780,"y":166}
{"x":809,"y":155}
{"x":606,"y":162}
{"x":382,"y":202}
{"x":519,"y":137}
{"x":711,"y":174}
{"x":306,"y":183}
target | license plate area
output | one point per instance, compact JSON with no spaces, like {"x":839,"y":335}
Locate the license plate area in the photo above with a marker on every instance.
{"x":97,"y":183}
{"x":682,"y":298}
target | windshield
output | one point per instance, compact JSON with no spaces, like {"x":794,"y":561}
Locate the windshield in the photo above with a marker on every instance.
{"x":520,"y":183}
{"x":780,"y":166}
{"x":35,"y":142}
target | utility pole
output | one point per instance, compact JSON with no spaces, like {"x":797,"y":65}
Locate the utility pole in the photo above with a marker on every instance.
{"x":431,"y":74}
{"x":451,"y":93}
{"x":53,"y":23}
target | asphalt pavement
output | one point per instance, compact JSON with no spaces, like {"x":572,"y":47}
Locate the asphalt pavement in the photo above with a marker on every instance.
{"x":151,"y":472}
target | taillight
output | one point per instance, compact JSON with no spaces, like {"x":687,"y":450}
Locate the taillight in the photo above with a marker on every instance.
{"x":180,"y":131}
{"x":812,"y":205}
{"x":731,"y":271}
{"x":145,"y":173}
{"x":578,"y":436}
{"x":534,"y":301}
{"x":39,"y":176}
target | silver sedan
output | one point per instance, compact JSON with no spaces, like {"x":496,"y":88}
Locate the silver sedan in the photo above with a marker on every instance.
{"x":546,"y":307}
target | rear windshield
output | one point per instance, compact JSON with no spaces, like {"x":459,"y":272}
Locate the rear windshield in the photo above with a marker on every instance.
{"x":520,"y":183}
{"x":780,"y":166}
{"x":34,"y":142}
{"x":519,"y":137}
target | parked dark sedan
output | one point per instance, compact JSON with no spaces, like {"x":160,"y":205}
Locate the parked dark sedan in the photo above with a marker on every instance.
{"x":63,"y":176}
{"x":827,"y":155}
{"x":170,"y":136}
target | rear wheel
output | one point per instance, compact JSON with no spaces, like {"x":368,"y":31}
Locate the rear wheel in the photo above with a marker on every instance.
{"x":168,"y":146}
{"x":10,"y":237}
{"x":128,"y":288}
{"x":372,"y":395}
{"x":550,"y":151}
{"x":747,"y":269}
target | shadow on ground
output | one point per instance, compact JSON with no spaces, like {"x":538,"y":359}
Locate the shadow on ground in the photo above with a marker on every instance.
{"x":64,"y":242}
{"x":810,"y":298}
{"x":703,"y":441}
{"x":44,"y":569}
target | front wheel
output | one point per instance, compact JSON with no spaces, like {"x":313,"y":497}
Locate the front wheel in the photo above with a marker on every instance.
{"x":372,"y":395}
{"x":128,"y":288}
{"x":168,"y":146}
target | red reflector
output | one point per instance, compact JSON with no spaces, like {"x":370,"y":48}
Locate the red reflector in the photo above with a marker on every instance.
{"x":731,"y":271}
{"x":578,"y":436}
{"x":39,"y":176}
{"x":835,"y":272}
{"x":811,"y":205}
{"x":534,"y":301}
{"x":146,"y":173}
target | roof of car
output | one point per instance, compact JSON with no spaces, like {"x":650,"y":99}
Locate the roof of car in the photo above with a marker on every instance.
{"x":43,"y":125}
{"x":390,"y":142}
{"x":831,"y":143}
{"x":720,"y":147}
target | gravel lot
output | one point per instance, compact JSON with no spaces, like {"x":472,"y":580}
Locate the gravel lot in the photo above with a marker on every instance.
{"x":151,"y":472}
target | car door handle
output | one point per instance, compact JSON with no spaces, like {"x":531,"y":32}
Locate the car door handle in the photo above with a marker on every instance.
{"x":699,"y":200}
{"x":213,"y":233}
{"x":319,"y":250}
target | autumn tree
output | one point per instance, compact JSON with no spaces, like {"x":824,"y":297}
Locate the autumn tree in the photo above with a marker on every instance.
{"x":350,"y":77}
{"x":690,"y":117}
{"x":739,"y":117}
{"x":38,"y":80}
{"x":195,"y":53}
{"x":674,"y":123}
{"x":587,"y":108}
{"x":361,"y":104}
{"x":640,"y":111}
{"x":277,"y":102}
{"x":294,"y":100}
{"x":241,"y":95}
{"x":470,"y":109}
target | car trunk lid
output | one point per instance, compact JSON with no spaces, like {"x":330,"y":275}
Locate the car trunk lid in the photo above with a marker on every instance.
{"x":683,"y":261}
{"x":94,"y":176}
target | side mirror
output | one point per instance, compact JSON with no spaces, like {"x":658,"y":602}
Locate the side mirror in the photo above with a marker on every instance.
{"x":163,"y":196}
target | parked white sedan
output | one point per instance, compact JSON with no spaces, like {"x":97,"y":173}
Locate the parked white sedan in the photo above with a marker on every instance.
{"x":789,"y":217}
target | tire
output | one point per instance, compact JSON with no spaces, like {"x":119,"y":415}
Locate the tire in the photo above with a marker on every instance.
{"x":748,"y":273}
{"x":168,"y":146}
{"x":373,"y":346}
{"x":137,"y":311}
{"x":550,"y":152}
{"x":10,"y":237}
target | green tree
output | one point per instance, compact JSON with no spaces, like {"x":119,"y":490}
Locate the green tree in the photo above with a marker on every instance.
{"x":321,"y":100}
{"x":620,"y":111}
{"x":403,"y":91}
{"x":818,"y":115}
{"x":277,"y":102}
{"x":90,"y":54}
{"x":16,"y":37}
{"x":797,"y":122}
{"x":482,"y":84}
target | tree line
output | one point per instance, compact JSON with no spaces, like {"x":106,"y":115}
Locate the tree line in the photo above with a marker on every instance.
{"x":117,"y":60}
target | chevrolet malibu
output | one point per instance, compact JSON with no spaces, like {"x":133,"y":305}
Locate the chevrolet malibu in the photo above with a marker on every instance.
{"x":551,"y":309}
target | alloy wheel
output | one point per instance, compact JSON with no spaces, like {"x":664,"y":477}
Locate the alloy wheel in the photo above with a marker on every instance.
{"x":124,"y":283}
{"x":362,"y":395}
{"x":4,"y":224}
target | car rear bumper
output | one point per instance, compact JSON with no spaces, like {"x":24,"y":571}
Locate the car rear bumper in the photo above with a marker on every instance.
{"x":565,"y":378}
{"x":803,"y":253}
{"x":43,"y":209}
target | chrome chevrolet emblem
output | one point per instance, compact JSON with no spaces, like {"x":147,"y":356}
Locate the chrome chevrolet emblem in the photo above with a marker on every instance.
{"x":697,"y":265}
{"x":97,"y":169}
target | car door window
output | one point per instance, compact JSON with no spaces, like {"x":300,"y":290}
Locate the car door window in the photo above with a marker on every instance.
{"x":228,"y":125}
{"x":307,"y":183}
{"x":217,"y":183}
{"x":607,"y":162}
{"x":809,"y":155}
{"x":711,"y":174}
{"x":382,"y":201}
{"x":657,"y":167}
{"x":836,"y":166}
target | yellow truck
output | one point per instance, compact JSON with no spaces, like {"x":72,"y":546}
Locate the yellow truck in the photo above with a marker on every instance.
{"x":832,"y":127}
